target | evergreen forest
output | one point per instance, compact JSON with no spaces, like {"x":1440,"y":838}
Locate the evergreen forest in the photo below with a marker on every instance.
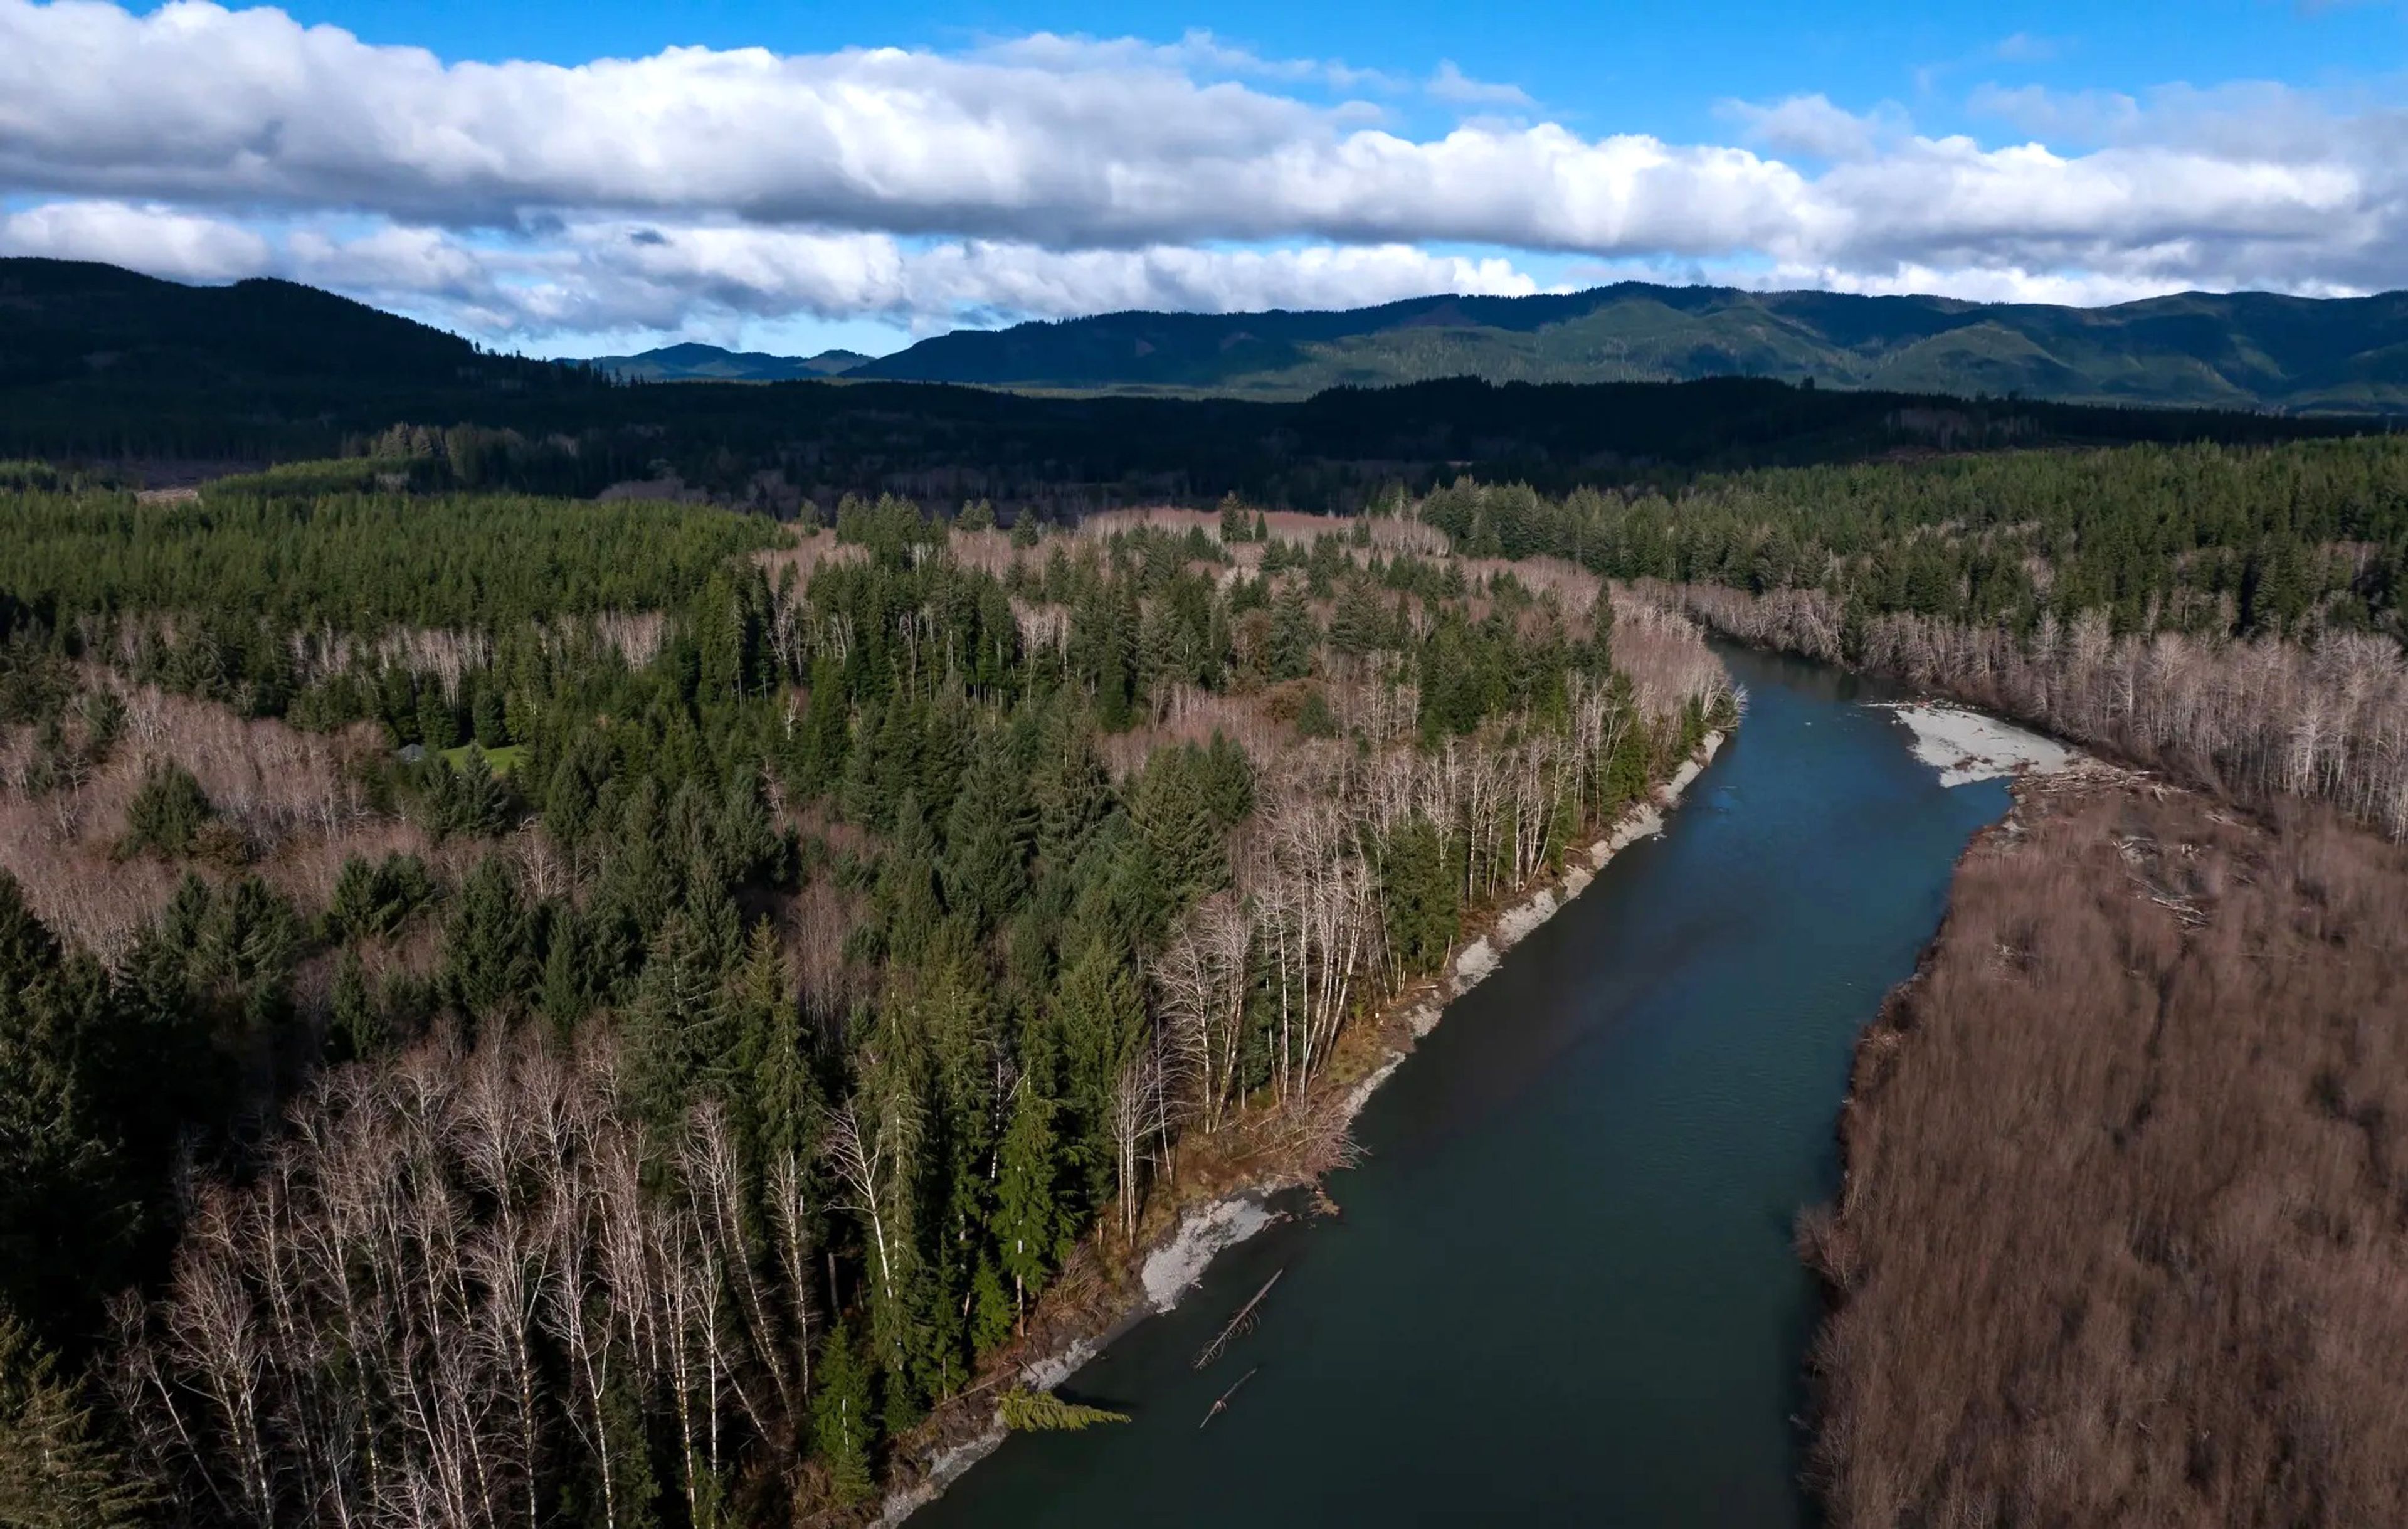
{"x":527,"y":1010}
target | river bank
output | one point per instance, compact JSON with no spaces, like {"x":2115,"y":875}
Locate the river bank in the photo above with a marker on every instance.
{"x":1103,"y":1295}
{"x":2117,"y":1241}
{"x":1564,"y":1268}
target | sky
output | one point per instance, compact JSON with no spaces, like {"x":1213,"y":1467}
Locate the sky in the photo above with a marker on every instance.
{"x":573,"y":179}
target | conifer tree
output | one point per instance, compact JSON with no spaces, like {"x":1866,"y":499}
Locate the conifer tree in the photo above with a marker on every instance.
{"x":490,"y":947}
{"x":1293,"y":634}
{"x":827,"y":731}
{"x":438,"y":728}
{"x":988,"y":836}
{"x":843,"y":1434}
{"x":677,"y":1032}
{"x":1073,"y":793}
{"x":1029,"y":1226}
{"x":1234,"y":525}
{"x":62,"y":1208}
{"x":1100,"y":1017}
{"x":907,"y":881}
{"x":358,"y":1026}
{"x":55,"y":1470}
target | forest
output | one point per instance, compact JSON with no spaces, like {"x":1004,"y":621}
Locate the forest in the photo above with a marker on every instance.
{"x":162,"y":384}
{"x":522,"y":1010}
{"x":2230,"y":614}
{"x":2119,"y":1244}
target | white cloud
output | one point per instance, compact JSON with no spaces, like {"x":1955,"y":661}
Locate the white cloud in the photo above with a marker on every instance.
{"x":590,"y":277}
{"x":1196,"y":52}
{"x":160,"y":240}
{"x":1811,"y":127}
{"x":1448,"y":82}
{"x":1050,"y":175}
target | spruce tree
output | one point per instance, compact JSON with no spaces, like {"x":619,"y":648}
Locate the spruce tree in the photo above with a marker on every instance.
{"x":907,"y":881}
{"x":56,"y":1470}
{"x":1099,"y":1013}
{"x":1293,"y":635}
{"x":843,"y":1433}
{"x":1234,"y":525}
{"x":989,"y":834}
{"x":489,"y":950}
{"x":357,"y":1024}
{"x":1029,"y":1226}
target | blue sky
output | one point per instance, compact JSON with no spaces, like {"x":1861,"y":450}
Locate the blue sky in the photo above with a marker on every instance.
{"x":1044,"y":160}
{"x":1651,"y":67}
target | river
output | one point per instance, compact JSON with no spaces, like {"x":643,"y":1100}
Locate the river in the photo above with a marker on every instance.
{"x":1561,"y":1288}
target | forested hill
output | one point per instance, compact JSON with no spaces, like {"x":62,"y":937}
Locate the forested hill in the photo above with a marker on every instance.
{"x":696,"y":363}
{"x":62,"y":320}
{"x":98,"y":365}
{"x":2196,"y":350}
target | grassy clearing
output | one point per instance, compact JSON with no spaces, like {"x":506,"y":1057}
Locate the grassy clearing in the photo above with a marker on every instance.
{"x":501,"y":760}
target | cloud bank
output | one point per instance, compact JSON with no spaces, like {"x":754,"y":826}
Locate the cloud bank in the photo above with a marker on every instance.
{"x":1048,"y":176}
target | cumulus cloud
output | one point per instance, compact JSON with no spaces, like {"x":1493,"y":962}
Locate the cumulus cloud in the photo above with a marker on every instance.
{"x":1811,"y":127}
{"x":616,"y":275}
{"x":160,"y":240}
{"x":1050,"y":175}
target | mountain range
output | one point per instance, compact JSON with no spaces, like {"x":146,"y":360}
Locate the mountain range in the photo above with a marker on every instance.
{"x":101,"y":364}
{"x":692,"y":362}
{"x":2243,"y":350}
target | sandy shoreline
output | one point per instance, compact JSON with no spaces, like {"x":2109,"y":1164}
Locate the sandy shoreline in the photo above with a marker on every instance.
{"x":1967,"y":745}
{"x":1177,"y":1264}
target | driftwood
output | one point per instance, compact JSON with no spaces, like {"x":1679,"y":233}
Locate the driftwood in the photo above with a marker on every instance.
{"x":1222,"y":1404}
{"x":1240,"y":1324}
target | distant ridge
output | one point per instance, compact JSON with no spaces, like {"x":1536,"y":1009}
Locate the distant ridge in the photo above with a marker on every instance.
{"x":692,"y":362}
{"x":102,"y":365}
{"x":2194,"y":349}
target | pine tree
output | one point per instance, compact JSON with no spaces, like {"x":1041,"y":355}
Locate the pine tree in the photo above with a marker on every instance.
{"x":1030,"y":1229}
{"x":55,"y":1471}
{"x":907,"y":881}
{"x":1100,"y":1017}
{"x":1234,"y":526}
{"x":1027,"y":1411}
{"x":490,"y":947}
{"x":357,"y":1024}
{"x":1293,"y":635}
{"x":1073,"y":793}
{"x":988,"y":836}
{"x":843,"y":1433}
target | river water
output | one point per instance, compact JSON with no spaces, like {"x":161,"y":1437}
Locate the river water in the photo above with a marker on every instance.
{"x":1561,"y":1288}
